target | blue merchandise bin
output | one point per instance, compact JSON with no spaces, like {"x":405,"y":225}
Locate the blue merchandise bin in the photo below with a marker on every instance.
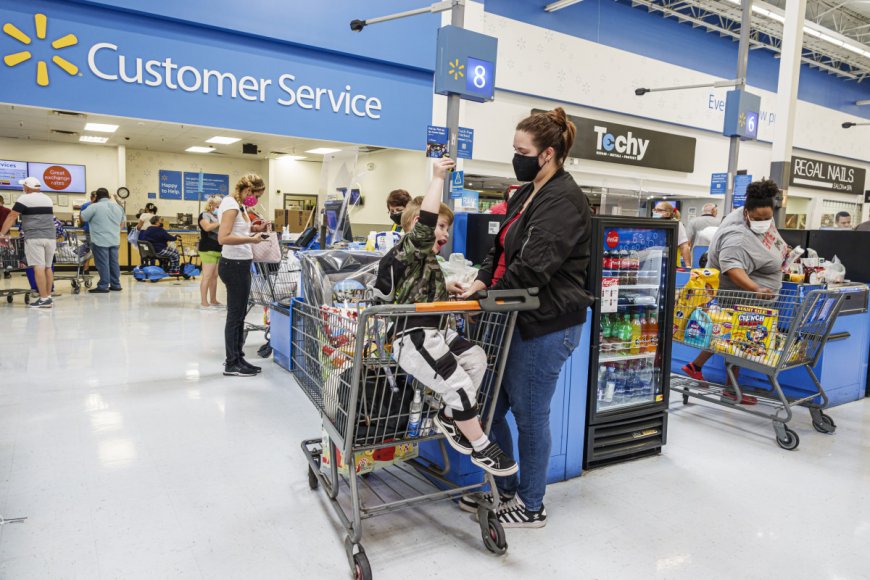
{"x":567,"y":424}
{"x":280,"y":321}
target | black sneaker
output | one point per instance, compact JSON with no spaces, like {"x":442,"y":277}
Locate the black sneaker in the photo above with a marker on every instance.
{"x":452,"y":434}
{"x":115,"y":289}
{"x":238,"y":370}
{"x":513,"y":514}
{"x":41,"y":303}
{"x":494,"y":460}
{"x":469,"y":502}
{"x":249,"y":366}
{"x":98,"y":291}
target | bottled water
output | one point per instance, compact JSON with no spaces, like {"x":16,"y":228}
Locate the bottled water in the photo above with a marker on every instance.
{"x":416,"y":412}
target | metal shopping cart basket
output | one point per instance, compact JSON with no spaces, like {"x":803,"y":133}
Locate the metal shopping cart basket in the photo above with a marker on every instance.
{"x":270,"y":283}
{"x":342,"y":362}
{"x":765,"y":335}
{"x":75,"y":253}
{"x":12,"y":259}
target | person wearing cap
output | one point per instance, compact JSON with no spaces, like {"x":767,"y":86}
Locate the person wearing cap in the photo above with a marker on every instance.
{"x":37,"y":225}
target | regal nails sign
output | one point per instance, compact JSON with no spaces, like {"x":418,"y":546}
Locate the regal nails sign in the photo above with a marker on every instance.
{"x":816,"y":174}
{"x":78,"y":57}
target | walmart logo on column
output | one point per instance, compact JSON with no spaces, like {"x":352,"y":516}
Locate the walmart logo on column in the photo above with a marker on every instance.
{"x":40,"y":25}
{"x":107,"y":62}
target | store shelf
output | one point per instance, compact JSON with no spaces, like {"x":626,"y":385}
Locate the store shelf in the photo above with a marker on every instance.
{"x":632,"y":403}
{"x":606,"y":358}
{"x":639,"y":286}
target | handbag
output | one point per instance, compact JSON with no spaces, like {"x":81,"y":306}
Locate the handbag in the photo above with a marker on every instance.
{"x":268,"y":251}
{"x":133,"y":236}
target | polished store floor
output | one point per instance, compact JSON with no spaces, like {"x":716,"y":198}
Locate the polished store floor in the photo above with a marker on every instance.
{"x":133,"y":457}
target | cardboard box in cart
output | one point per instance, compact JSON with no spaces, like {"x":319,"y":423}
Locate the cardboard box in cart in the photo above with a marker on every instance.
{"x":371,"y":460}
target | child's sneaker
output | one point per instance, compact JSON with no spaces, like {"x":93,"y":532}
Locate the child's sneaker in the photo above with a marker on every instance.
{"x":494,"y":460}
{"x":469,"y":502}
{"x":513,"y":514}
{"x":451,"y":432}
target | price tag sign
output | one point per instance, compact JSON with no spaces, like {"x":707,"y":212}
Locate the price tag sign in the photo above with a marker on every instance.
{"x":609,"y":295}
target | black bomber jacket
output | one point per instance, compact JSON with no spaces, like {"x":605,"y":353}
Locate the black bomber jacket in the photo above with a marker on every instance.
{"x":547,"y":247}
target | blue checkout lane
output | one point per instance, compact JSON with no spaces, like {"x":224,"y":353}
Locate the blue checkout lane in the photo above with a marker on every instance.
{"x":842,"y":368}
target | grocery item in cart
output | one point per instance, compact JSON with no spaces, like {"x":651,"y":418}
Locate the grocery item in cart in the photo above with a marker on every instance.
{"x":323,"y":269}
{"x":753,"y":325}
{"x":699,"y":330}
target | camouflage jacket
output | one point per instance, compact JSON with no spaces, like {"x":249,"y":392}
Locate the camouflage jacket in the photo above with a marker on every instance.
{"x":409,"y":273}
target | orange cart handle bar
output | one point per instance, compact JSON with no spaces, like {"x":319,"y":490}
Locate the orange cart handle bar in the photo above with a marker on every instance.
{"x":488,"y":301}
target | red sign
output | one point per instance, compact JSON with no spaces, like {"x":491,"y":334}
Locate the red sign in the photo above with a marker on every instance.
{"x":57,"y":177}
{"x":612,"y":239}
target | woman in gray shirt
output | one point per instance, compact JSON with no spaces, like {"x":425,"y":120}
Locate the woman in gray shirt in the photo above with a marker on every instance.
{"x":749,"y":253}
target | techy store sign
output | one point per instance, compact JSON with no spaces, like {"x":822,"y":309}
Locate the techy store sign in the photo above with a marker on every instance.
{"x":106,"y":61}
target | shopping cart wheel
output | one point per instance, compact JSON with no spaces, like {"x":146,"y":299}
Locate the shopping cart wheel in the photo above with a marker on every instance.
{"x":26,"y":298}
{"x":789,"y":440}
{"x":492,"y":531}
{"x":76,"y":289}
{"x":685,"y":399}
{"x":823,"y":423}
{"x":88,"y":283}
{"x":362,"y":570}
{"x":313,"y":483}
{"x":9,"y":298}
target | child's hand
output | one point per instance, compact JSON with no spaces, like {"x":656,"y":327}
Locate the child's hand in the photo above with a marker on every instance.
{"x":442,"y":167}
{"x":455,"y":288}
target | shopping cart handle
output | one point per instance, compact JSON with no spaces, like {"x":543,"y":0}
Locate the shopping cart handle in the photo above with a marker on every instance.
{"x":508,"y":300}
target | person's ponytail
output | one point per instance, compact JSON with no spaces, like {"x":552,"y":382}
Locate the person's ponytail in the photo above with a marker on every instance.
{"x":551,"y":129}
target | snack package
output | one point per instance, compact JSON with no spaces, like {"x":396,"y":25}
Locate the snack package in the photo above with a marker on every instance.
{"x":700,"y":290}
{"x":364,"y":461}
{"x":723,"y":321}
{"x":754,"y":326}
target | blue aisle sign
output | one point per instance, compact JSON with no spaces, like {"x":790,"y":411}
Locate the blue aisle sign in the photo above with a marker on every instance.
{"x":465,"y":64}
{"x":718,"y":183}
{"x":436,"y":141}
{"x":741,"y":182}
{"x":170,"y":184}
{"x":465,"y":143}
{"x":457,"y":181}
{"x":209,"y":184}
{"x":741,"y":114}
{"x":470,"y":200}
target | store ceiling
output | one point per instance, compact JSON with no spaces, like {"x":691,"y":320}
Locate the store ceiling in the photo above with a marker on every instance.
{"x":835,"y":37}
{"x":45,"y":125}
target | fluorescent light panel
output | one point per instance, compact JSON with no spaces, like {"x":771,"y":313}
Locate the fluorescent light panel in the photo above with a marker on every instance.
{"x":93,"y":139}
{"x":101,"y":127}
{"x":323,"y":151}
{"x":198,"y":149}
{"x":222,"y":140}
{"x":293,"y":157}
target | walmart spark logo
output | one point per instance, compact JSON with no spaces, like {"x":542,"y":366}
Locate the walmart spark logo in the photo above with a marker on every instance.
{"x":40,"y":22}
{"x":456,"y":70}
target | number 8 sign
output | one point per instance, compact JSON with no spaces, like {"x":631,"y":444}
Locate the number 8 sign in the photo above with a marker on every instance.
{"x":479,"y":79}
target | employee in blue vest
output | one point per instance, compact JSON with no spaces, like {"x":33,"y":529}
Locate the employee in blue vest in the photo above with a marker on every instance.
{"x":104,"y":218}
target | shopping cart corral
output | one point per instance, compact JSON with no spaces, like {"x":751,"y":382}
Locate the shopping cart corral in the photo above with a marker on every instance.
{"x":12,"y":259}
{"x":341,"y":359}
{"x":74,"y":253}
{"x":767,"y":335}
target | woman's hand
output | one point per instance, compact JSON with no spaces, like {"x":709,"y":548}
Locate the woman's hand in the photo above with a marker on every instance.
{"x":475,"y":287}
{"x":260,"y":226}
{"x":455,"y":288}
{"x":765,"y":293}
{"x":442,"y":166}
{"x":257,"y":238}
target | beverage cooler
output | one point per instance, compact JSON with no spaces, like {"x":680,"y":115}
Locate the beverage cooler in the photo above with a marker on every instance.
{"x":632,"y":276}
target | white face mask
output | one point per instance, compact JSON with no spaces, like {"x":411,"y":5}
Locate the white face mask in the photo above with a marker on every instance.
{"x":760,"y":227}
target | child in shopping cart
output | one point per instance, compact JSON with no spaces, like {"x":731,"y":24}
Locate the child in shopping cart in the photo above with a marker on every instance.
{"x":442,"y":360}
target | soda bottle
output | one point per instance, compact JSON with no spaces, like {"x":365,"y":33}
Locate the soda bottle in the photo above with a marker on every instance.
{"x":636,"y":335}
{"x":652,"y":324}
{"x":414,"y":414}
{"x":623,"y":258}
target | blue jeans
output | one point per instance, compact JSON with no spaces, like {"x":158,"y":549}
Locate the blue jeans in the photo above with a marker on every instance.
{"x":527,"y":388}
{"x":106,"y":260}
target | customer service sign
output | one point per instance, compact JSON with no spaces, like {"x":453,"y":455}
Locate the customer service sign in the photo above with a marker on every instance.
{"x":88,"y":59}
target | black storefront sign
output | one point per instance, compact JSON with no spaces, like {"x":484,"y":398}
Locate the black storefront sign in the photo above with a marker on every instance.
{"x":613,"y":143}
{"x":816,"y":174}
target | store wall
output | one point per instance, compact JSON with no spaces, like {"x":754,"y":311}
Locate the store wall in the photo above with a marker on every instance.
{"x":384,"y":172}
{"x":290,"y":176}
{"x":143,"y":174}
{"x":101,"y":165}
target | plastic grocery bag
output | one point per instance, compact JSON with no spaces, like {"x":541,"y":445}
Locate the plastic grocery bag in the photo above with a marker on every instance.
{"x":337,"y":277}
{"x":835,"y":271}
{"x":459,"y":270}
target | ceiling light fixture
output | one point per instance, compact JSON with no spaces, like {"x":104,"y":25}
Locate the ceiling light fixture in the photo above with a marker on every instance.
{"x":553,"y":6}
{"x":93,"y":139}
{"x":323,"y":151}
{"x":101,"y":127}
{"x":293,"y":157}
{"x":198,"y":149}
{"x":222,"y":140}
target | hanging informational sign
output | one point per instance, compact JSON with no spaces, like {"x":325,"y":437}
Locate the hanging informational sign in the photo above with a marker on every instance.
{"x":11,"y":172}
{"x":613,"y":143}
{"x":741,"y":114}
{"x":436,"y":141}
{"x":718,"y":183}
{"x":208,"y":183}
{"x":457,"y":181}
{"x":741,"y":182}
{"x":465,"y":64}
{"x":817,"y":174}
{"x":170,"y":184}
{"x":58,"y":177}
{"x":465,"y":143}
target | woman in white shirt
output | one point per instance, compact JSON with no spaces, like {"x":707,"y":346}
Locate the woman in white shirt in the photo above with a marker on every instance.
{"x":235,"y":234}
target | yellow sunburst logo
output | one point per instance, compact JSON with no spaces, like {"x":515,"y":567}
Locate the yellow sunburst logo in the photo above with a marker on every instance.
{"x":40,"y":22}
{"x":456,"y":69}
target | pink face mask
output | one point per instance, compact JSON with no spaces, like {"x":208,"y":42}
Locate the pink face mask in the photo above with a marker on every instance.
{"x":250,"y":201}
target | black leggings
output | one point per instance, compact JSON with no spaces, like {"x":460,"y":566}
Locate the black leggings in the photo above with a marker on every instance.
{"x":236,"y":276}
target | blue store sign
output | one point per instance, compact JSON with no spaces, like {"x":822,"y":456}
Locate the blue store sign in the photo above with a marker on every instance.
{"x":170,"y":184}
{"x":741,"y":182}
{"x":718,"y":183}
{"x":81,"y":58}
{"x":208,"y":183}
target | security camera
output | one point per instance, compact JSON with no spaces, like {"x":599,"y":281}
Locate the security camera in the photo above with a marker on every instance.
{"x":357,"y":25}
{"x":640,"y":92}
{"x":847,"y":125}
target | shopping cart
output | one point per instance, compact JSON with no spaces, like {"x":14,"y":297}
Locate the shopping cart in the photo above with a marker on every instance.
{"x":270,"y":283}
{"x":765,"y":335}
{"x":341,"y":360}
{"x":74,"y":253}
{"x":12,"y":259}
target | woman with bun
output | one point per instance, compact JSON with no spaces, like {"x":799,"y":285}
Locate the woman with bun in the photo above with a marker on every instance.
{"x":749,"y":253}
{"x":544,"y":244}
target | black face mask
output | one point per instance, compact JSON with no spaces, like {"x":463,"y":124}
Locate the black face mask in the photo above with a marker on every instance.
{"x":526,"y":168}
{"x":396,"y":217}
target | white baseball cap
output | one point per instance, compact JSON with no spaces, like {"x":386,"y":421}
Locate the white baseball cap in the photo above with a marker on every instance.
{"x":30,"y":182}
